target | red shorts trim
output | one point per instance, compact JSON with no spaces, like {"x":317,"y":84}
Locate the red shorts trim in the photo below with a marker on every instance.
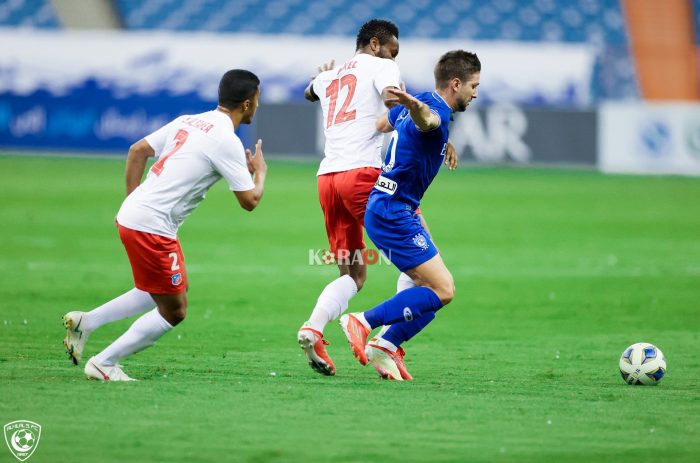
{"x":156,"y":261}
{"x":343,"y":197}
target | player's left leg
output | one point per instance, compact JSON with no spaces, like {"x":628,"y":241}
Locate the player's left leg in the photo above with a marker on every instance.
{"x":79,"y":325}
{"x":143,"y":333}
{"x":343,"y":197}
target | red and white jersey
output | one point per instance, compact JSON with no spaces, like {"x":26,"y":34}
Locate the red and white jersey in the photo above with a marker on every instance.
{"x":351,"y":100}
{"x":192,"y":153}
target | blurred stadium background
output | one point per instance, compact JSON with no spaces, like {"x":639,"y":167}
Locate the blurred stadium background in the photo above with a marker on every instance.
{"x":557,"y":269}
{"x":606,"y":83}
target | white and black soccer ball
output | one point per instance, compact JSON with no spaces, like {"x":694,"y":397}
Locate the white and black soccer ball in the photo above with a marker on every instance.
{"x":642,"y":364}
{"x":23,"y":439}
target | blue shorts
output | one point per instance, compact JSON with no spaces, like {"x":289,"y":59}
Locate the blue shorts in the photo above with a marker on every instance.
{"x":401,"y":238}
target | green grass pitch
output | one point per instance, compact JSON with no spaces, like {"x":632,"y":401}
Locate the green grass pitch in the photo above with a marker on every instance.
{"x":556,"y":273}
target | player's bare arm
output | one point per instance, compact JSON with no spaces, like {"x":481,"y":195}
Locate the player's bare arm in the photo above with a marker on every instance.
{"x":309,"y":91}
{"x":136,"y":161}
{"x":419,"y":112}
{"x":257,"y":166}
{"x":382,"y":124}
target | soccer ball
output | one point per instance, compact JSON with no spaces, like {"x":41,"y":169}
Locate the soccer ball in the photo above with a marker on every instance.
{"x":642,"y":363}
{"x":24,"y":439}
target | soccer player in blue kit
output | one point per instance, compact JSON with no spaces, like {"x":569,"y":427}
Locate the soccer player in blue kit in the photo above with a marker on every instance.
{"x":420,"y":125}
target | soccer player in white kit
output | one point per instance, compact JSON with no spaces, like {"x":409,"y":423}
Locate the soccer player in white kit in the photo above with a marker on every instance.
{"x":352,"y":98}
{"x":193,"y":152}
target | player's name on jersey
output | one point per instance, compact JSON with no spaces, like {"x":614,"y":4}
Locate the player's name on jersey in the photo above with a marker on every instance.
{"x":349,"y":65}
{"x":204,"y":126}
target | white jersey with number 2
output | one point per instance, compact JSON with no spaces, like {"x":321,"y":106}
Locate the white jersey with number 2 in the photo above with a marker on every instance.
{"x":192,"y":153}
{"x":351,"y":100}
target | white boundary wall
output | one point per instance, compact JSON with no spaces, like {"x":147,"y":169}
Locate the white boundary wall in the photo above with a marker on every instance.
{"x":649,"y":138}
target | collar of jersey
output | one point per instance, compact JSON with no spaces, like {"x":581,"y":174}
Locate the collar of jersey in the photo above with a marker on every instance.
{"x":223,"y":114}
{"x":437,"y":96}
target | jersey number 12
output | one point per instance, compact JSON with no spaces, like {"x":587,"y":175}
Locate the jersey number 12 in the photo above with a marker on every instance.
{"x":332,"y":91}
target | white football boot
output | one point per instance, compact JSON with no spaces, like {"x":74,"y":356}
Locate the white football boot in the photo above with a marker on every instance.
{"x":314,"y":346}
{"x":388,"y":364}
{"x":94,"y":370}
{"x":76,"y":338}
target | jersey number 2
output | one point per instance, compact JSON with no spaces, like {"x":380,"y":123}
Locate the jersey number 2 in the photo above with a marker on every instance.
{"x":180,"y":139}
{"x":332,"y":91}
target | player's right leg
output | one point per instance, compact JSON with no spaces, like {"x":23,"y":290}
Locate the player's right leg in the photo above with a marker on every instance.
{"x":79,"y":325}
{"x":345,"y":238}
{"x":435,"y":288}
{"x":409,"y":247}
{"x":383,"y":355}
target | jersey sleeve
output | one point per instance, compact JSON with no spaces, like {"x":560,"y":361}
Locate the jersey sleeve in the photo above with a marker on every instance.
{"x":394,"y":114}
{"x":230,"y":162}
{"x":159,"y":139}
{"x":318,"y":85}
{"x":387,"y":76}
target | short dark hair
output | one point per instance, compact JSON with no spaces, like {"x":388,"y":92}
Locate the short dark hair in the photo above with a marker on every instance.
{"x":456,"y":63}
{"x":236,"y":86}
{"x":379,"y":28}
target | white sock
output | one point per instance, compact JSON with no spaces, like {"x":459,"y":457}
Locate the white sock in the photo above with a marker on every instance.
{"x":332,"y":302}
{"x":404,"y":282}
{"x":386,"y":344}
{"x":131,"y":303}
{"x":143,"y":333}
{"x":361,"y":317}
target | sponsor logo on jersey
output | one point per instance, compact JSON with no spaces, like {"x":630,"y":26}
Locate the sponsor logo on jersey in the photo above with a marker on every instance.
{"x":176,"y":279}
{"x":386,"y":185}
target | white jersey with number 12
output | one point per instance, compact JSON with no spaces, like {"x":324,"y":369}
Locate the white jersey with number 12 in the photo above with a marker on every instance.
{"x":351,"y":101}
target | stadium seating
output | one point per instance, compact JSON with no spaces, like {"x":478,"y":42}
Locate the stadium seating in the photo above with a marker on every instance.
{"x":37,"y":14}
{"x":696,"y":7}
{"x":599,"y":23}
{"x":594,"y":21}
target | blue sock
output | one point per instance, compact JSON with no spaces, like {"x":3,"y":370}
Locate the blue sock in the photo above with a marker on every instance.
{"x":403,"y":307}
{"x":402,"y":332}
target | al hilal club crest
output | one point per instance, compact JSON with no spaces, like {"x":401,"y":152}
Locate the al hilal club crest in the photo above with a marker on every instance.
{"x":22,"y":438}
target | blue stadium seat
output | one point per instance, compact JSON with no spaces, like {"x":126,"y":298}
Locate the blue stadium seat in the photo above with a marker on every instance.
{"x":37,"y":14}
{"x":696,"y":18}
{"x":596,"y":22}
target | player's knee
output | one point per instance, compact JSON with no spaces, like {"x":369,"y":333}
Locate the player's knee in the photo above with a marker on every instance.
{"x":175,"y":312}
{"x":178,"y":315}
{"x":358,"y":275}
{"x":359,"y":281}
{"x":446,"y":291}
{"x":446,"y":295}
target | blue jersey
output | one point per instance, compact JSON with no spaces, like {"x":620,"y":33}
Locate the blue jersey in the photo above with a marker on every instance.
{"x":413,"y":158}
